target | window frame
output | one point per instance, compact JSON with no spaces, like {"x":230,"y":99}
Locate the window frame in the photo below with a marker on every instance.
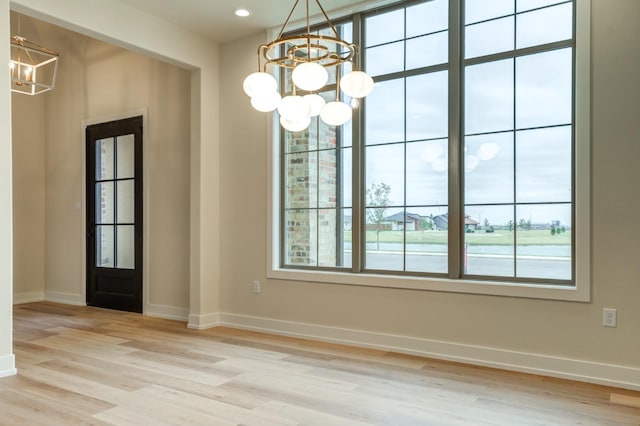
{"x":499,"y":287}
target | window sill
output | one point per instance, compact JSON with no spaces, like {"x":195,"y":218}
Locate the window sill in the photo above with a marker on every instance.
{"x":578,"y":293}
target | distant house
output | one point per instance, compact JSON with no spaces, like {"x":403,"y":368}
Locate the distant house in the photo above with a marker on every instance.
{"x":470,"y":225}
{"x":400,"y":221}
{"x":441,"y":223}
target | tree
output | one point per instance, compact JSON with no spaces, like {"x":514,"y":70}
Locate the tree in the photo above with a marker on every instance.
{"x":377,"y":200}
{"x":425,"y":224}
{"x":525,"y":225}
{"x":510,"y":225}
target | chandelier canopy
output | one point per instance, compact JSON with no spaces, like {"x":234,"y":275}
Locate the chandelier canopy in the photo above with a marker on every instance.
{"x":308,"y":56}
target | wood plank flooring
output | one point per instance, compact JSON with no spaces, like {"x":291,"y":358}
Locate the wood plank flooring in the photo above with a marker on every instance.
{"x":88,"y":366}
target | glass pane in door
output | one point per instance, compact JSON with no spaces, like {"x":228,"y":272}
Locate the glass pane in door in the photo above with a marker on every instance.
{"x":126,"y":156}
{"x":104,"y":159}
{"x":104,"y":246}
{"x":126,"y":193}
{"x":104,"y":202}
{"x":126,"y":247}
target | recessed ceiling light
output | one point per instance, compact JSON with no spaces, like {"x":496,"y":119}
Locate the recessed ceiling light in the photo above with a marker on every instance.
{"x":243,"y":13}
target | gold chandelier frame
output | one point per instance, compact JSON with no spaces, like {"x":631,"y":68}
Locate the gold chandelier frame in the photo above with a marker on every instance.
{"x":289,"y":51}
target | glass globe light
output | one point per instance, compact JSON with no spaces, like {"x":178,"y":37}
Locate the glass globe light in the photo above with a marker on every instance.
{"x":431,"y":152}
{"x":488,"y":150}
{"x":310,"y":76}
{"x":336,"y":113}
{"x":440,"y":165}
{"x":356,"y":84}
{"x":470,"y":163}
{"x":294,"y":108}
{"x":316,"y":103}
{"x":258,"y":83}
{"x":295,"y":125}
{"x":266,"y":102}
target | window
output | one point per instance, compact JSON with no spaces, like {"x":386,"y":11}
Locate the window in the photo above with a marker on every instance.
{"x":466,"y":166}
{"x":518,"y":139}
{"x":406,"y":138}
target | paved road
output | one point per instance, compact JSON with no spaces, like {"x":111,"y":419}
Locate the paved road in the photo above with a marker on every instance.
{"x":541,"y":267}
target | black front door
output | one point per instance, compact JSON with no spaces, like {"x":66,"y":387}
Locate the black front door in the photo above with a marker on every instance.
{"x":114,"y":214}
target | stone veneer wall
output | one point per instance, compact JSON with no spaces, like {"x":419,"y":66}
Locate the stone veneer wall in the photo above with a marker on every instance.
{"x":311,"y":194}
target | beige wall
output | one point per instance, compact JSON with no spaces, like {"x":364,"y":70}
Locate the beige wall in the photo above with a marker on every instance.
{"x":28,"y":138}
{"x":97,"y":80}
{"x":541,"y":327}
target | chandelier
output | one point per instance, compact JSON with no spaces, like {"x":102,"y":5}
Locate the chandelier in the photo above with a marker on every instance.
{"x":33,"y":68}
{"x":308,"y":56}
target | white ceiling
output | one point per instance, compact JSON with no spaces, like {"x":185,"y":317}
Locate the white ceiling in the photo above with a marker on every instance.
{"x":215,"y":18}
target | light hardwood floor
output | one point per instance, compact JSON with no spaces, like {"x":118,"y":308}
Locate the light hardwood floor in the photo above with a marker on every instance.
{"x":80,"y":365}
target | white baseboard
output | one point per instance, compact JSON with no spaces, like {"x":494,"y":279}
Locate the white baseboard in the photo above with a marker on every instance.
{"x":573,"y":369}
{"x":65,"y":298}
{"x":8,"y":366}
{"x":202,"y":322}
{"x":28,"y":297}
{"x":158,"y":311}
{"x":166,"y":312}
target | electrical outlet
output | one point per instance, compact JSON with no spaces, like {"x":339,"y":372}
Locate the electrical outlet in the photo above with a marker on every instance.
{"x":609,"y":317}
{"x":256,"y":286}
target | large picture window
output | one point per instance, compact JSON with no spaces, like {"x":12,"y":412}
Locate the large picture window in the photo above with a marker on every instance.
{"x":460,"y":165}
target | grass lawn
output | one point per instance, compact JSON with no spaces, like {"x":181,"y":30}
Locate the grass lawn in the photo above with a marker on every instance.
{"x":499,"y":237}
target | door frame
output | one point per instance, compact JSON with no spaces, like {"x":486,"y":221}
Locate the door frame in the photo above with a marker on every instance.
{"x":145,"y":199}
